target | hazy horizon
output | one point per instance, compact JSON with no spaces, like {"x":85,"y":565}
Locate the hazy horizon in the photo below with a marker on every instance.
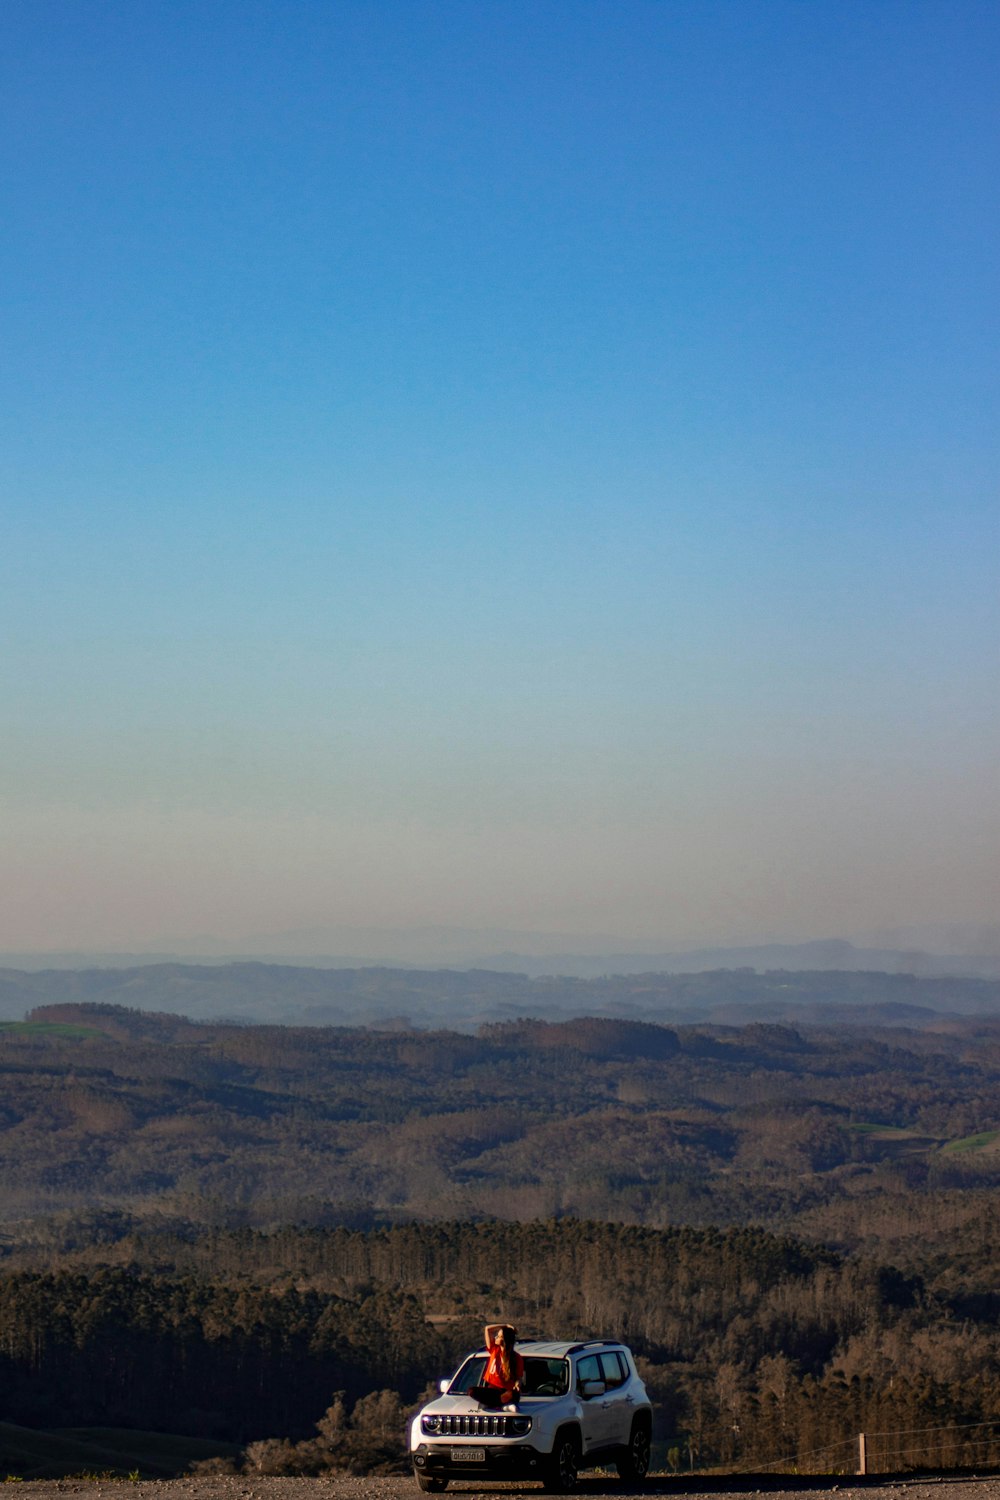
{"x":459,"y":947}
{"x":519,"y":468}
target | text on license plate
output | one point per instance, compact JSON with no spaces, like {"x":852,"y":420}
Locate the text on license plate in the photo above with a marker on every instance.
{"x":468,"y":1455}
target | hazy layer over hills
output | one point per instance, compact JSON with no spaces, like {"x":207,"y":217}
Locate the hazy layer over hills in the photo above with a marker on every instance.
{"x":463,"y":1000}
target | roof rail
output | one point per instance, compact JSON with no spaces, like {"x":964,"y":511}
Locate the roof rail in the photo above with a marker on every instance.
{"x":592,"y":1344}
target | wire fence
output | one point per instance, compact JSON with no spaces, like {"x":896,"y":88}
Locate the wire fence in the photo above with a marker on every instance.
{"x":946,"y":1446}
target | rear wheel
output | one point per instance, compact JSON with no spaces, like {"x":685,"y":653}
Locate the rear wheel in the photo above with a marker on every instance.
{"x":563,"y":1465}
{"x":432,"y":1483}
{"x":634,"y":1461}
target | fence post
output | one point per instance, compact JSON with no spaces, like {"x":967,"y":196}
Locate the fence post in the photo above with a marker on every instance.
{"x":862,"y":1454}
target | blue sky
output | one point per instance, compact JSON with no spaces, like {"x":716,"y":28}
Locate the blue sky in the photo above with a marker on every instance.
{"x":529,"y":465}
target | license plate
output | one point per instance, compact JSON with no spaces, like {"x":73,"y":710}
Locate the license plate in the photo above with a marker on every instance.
{"x":468,"y":1455}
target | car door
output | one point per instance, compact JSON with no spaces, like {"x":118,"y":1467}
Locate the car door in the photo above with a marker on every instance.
{"x":617,"y":1400}
{"x":595,"y":1410}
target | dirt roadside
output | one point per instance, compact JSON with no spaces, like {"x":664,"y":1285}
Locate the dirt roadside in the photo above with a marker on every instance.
{"x":396,"y":1487}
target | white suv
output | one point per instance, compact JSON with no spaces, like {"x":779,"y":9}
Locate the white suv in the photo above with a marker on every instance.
{"x":581,"y":1405}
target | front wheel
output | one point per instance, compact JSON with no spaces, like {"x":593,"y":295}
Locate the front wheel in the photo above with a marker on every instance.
{"x":561,"y":1469}
{"x":634,"y":1461}
{"x":431,"y":1483}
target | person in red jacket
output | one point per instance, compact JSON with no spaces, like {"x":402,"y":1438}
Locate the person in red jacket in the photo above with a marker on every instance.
{"x":504,"y":1368}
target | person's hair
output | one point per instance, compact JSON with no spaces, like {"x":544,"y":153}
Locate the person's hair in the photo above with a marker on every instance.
{"x":505,"y":1351}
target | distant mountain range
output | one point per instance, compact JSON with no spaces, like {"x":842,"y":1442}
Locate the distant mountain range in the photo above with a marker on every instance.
{"x":833,"y":953}
{"x":441,"y":948}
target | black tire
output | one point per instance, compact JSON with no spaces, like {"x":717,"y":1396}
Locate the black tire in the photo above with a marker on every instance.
{"x":432,"y":1483}
{"x":563,"y":1464}
{"x":633,"y":1464}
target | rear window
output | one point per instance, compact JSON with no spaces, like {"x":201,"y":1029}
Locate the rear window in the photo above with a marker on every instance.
{"x":614,"y":1369}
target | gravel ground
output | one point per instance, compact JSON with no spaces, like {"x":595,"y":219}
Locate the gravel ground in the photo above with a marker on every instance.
{"x":394,"y":1487}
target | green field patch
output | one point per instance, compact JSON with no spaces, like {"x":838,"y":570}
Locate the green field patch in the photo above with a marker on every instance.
{"x":977,"y":1142}
{"x":896,"y":1140}
{"x":31,"y":1453}
{"x":50,"y":1028}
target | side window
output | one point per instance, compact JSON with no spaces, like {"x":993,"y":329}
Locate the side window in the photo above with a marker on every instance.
{"x":614,"y":1374}
{"x":588,"y":1369}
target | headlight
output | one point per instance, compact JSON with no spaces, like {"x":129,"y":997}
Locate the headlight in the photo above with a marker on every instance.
{"x":518,"y":1425}
{"x":430,"y":1424}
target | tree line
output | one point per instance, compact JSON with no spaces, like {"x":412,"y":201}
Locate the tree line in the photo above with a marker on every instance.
{"x":756,"y":1347}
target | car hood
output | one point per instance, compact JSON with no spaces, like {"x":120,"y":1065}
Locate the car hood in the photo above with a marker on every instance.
{"x":463,"y":1404}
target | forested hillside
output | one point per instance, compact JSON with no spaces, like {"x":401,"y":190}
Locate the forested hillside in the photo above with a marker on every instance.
{"x":757,"y":1348}
{"x":857,"y":1137}
{"x":587,"y":1177}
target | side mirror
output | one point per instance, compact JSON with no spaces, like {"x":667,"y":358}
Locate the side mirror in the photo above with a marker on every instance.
{"x":592,"y":1388}
{"x":444,"y":1384}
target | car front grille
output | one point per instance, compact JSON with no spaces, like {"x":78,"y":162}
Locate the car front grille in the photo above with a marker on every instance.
{"x":475,"y":1424}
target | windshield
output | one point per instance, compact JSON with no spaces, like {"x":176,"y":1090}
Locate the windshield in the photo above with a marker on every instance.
{"x":542,"y":1377}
